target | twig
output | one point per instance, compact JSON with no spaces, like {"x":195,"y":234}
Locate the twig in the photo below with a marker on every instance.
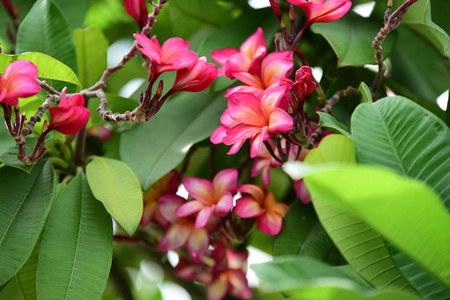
{"x":391,"y":21}
{"x":38,"y":116}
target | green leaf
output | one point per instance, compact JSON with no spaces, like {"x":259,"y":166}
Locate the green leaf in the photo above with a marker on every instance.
{"x":297,"y":224}
{"x":365,"y":92}
{"x":362,"y":247}
{"x":25,"y":201}
{"x":412,"y":141}
{"x":395,"y":207}
{"x":48,"y":67}
{"x":411,"y":56}
{"x":91,"y":47}
{"x":114,"y":184}
{"x":74,"y":11}
{"x":29,"y":107}
{"x":154,"y":148}
{"x":26,"y":277}
{"x":45,"y":30}
{"x":291,"y":272}
{"x":330,"y":123}
{"x":188,"y":16}
{"x":76,"y":246}
{"x":9,"y":157}
{"x":351,"y":39}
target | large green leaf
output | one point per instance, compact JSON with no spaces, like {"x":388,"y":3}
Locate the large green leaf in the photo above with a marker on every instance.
{"x":48,"y":67}
{"x":74,"y":11}
{"x":330,"y":123}
{"x":114,"y":184}
{"x":25,"y":201}
{"x":154,"y":148}
{"x":91,"y":47}
{"x":289,"y":272}
{"x":415,"y":143}
{"x":394,"y":206}
{"x":188,"y":16}
{"x":45,"y":30}
{"x":363,"y":248}
{"x":351,"y":39}
{"x":26,"y":277}
{"x":396,"y":133}
{"x":76,"y":246}
{"x":297,"y":224}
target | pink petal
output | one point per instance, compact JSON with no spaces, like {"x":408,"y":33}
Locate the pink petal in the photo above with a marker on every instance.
{"x":301,"y":191}
{"x":257,"y":192}
{"x":199,"y":189}
{"x":274,"y":97}
{"x":198,"y":243}
{"x":257,"y":141}
{"x":218,"y":135}
{"x":150,"y":47}
{"x":333,"y":10}
{"x":224,"y":205}
{"x":217,"y":290}
{"x":248,"y":207}
{"x":168,"y":204}
{"x":175,"y":237}
{"x":203,"y":216}
{"x":249,"y":79}
{"x":221,"y":56}
{"x":240,"y":133}
{"x":237,"y":63}
{"x":256,"y":91}
{"x":255,"y":48}
{"x":174,"y":52}
{"x":235,"y":148}
{"x":276,"y":65}
{"x":270,"y":223}
{"x":280,"y":121}
{"x":225,"y":180}
{"x":75,"y":100}
{"x":246,"y":108}
{"x":239,"y":284}
{"x":227,"y":120}
{"x":23,"y":67}
{"x":188,"y":208}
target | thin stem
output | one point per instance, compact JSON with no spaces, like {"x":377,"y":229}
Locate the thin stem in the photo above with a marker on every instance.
{"x":272,"y":153}
{"x":299,"y":36}
{"x":391,"y":21}
{"x":132,"y":52}
{"x":38,"y":116}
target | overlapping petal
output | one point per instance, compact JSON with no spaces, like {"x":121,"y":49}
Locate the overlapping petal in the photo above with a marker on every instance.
{"x":19,"y":80}
{"x":323,"y":11}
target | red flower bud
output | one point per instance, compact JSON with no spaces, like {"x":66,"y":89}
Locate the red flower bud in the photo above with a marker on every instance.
{"x":138,"y":10}
{"x":70,"y":116}
{"x":195,"y":78}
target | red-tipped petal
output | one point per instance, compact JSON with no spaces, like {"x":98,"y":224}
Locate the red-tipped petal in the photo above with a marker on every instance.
{"x":221,"y":56}
{"x":270,"y":223}
{"x":199,"y":189}
{"x":225,"y":180}
{"x":248,"y":207}
{"x":175,"y":237}
{"x":188,"y":208}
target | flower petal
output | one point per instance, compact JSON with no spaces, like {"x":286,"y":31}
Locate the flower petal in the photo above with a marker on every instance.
{"x":198,"y":243}
{"x":199,"y":188}
{"x":280,"y":121}
{"x":204,"y":215}
{"x":168,"y":204}
{"x":270,"y":223}
{"x":246,"y":108}
{"x":225,"y":180}
{"x":248,"y":207}
{"x":175,"y":237}
{"x":188,"y":208}
{"x":224,"y":205}
{"x":221,"y":56}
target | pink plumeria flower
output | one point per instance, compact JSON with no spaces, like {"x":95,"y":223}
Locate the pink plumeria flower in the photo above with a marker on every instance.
{"x":172,"y":56}
{"x":137,"y":9}
{"x":168,"y":184}
{"x":229,"y":274}
{"x":181,"y":231}
{"x":70,"y":116}
{"x":209,"y":198}
{"x":245,"y":59}
{"x":19,"y":80}
{"x":260,"y":203}
{"x":196,"y":77}
{"x":257,"y":119}
{"x":318,"y":11}
{"x":274,"y":71}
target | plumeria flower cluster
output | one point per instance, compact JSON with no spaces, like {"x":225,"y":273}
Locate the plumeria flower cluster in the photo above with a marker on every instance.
{"x":20,"y":80}
{"x":193,"y":74}
{"x":207,"y":220}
